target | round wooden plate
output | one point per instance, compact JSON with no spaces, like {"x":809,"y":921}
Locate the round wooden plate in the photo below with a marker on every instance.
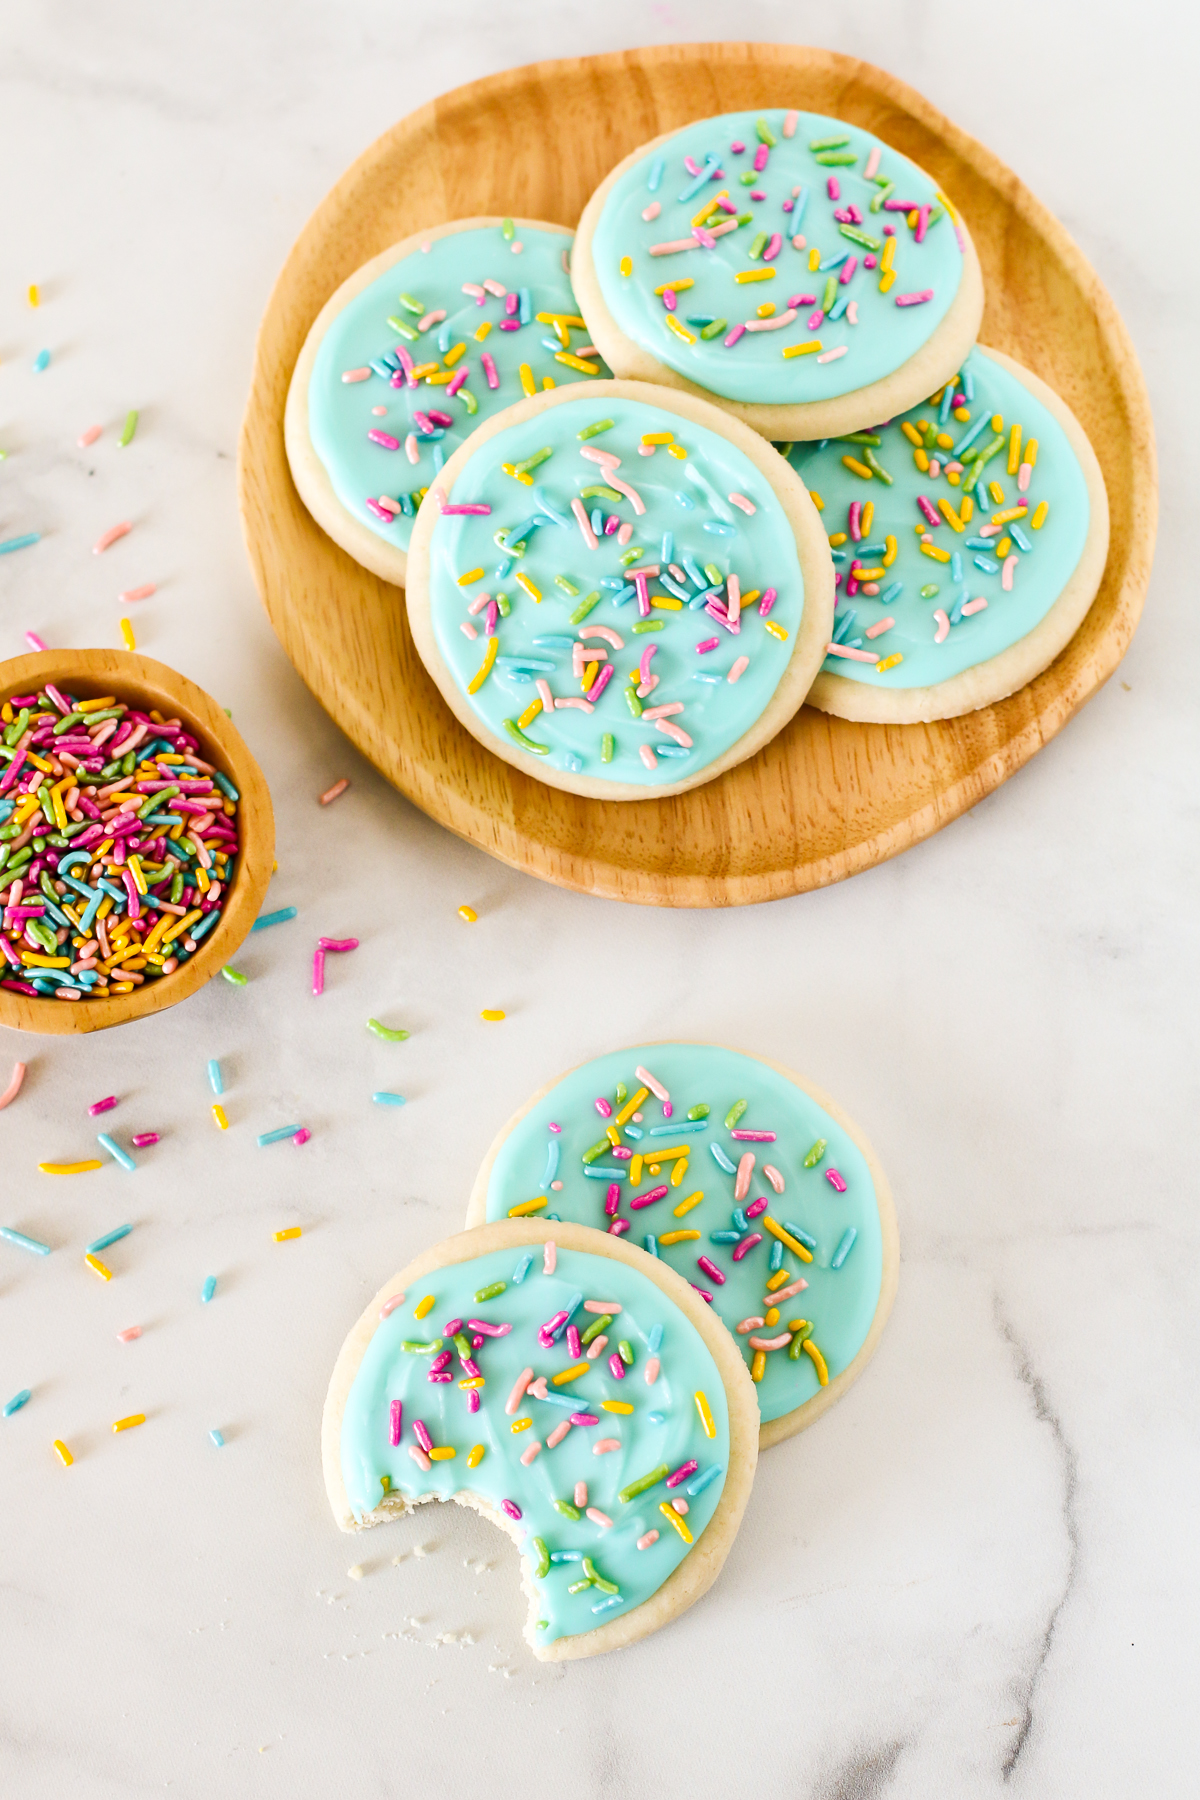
{"x":827,"y":797}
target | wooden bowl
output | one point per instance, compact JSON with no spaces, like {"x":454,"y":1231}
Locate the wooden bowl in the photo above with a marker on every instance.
{"x":827,"y":797}
{"x":139,"y":681}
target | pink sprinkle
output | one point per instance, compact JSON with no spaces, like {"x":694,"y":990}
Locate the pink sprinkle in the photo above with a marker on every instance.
{"x":773,"y":1176}
{"x":652,"y":1369}
{"x":745,"y":1168}
{"x":555,"y":1127}
{"x":708,"y":644}
{"x":603,"y":1108}
{"x":603,"y":1445}
{"x":738,"y":670}
{"x":880,"y":625}
{"x":431,"y":318}
{"x":384,"y":438}
{"x":100,"y":1106}
{"x":396,"y":1421}
{"x":943,"y":626}
{"x":754,"y":1137}
{"x":835,"y":1180}
{"x":832,"y":188}
{"x":511,"y":1508}
{"x":647,"y":755}
{"x":467,"y":629}
{"x":691,"y":165}
{"x":412,"y":448}
{"x":419,"y":1457}
{"x":872,"y":163}
{"x":138,"y":593}
{"x":773,"y":248}
{"x":519,"y":1386}
{"x":652,"y":211}
{"x":737,"y":332}
{"x":711,"y":1270}
{"x":785,"y":1293}
{"x":597,"y":1517}
{"x":868,"y":656}
{"x":656,"y":1087}
{"x":815,"y":319}
{"x":549,"y":1263}
{"x":1006,"y":574}
{"x":130,"y":1332}
{"x":534,"y":1451}
{"x":93,"y":431}
{"x":848,"y":268}
{"x":790,"y":122}
{"x":1023,"y":477}
{"x":110,"y":536}
{"x":34,"y":642}
{"x":973,"y":606}
{"x":558,"y":1434}
{"x":644,"y":1542}
{"x":914,"y":299}
{"x":489,"y":370}
{"x":832,"y":355}
{"x":143,"y":1140}
{"x":456,"y":382}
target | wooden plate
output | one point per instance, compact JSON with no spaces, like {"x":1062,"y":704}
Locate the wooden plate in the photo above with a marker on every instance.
{"x":827,"y":797}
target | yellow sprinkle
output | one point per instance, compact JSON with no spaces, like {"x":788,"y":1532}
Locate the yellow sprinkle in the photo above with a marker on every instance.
{"x":997,"y":421}
{"x":127,"y":1424}
{"x":776,"y":631}
{"x":772,"y":1316}
{"x":677,"y":451}
{"x":937,"y":555}
{"x":997,"y":493}
{"x":868,"y":513}
{"x":777,"y":1280}
{"x":524,"y":581}
{"x":685,"y":1206}
{"x":35,"y":298}
{"x":680,"y":1524}
{"x":1039,"y":517}
{"x":681,"y":331}
{"x":678,"y":286}
{"x":33,"y":959}
{"x":635,"y":1171}
{"x":814,"y":258}
{"x":530,"y":714}
{"x":485,"y":668}
{"x":910,"y":431}
{"x":470,"y":576}
{"x":468,"y":913}
{"x":481,"y":331}
{"x":816,"y":500}
{"x":910,"y":218}
{"x":758,"y":1366}
{"x":590,"y":674}
{"x":631,"y":1106}
{"x":962,"y":414}
{"x":574,"y":362}
{"x":472,"y":1381}
{"x":613,"y":1135}
{"x":442,"y":1454}
{"x":452,"y":356}
{"x":492,"y":1014}
{"x":967,"y":509}
{"x":218,"y":1113}
{"x":948,"y":513}
{"x":856,"y":468}
{"x":1009,"y":513}
{"x":1031,"y":450}
{"x":802,"y":349}
{"x":476,"y":1456}
{"x":626,"y":265}
{"x":889,"y":662}
{"x":425,"y":368}
{"x":888,"y":257}
{"x":94,"y":1263}
{"x":889,"y":279}
{"x":678,"y":1237}
{"x":424,"y":1306}
{"x":665,"y":603}
{"x":766,"y":310}
{"x":745,"y":275}
{"x":921,"y":460}
{"x":520,"y":1425}
{"x":785,"y":1237}
{"x":889,"y":554}
{"x":705,"y":1411}
{"x":1003,"y":547}
{"x":63,"y":1454}
{"x":818,"y":1361}
{"x":527,"y":381}
{"x":571,"y":1374}
{"x":679,"y":1171}
{"x":653,"y":1169}
{"x":385,"y":1482}
{"x":657,"y":437}
{"x":617,"y":1406}
{"x":706,"y":212}
{"x":799,"y":1325}
{"x":283,"y":1237}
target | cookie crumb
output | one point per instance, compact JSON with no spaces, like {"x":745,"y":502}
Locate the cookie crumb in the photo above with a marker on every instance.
{"x":357,"y":1572}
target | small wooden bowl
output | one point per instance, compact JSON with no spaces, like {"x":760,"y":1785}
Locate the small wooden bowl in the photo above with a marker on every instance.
{"x":139,"y":681}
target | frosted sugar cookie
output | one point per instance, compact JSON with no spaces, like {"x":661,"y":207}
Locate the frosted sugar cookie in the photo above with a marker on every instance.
{"x":748,"y":1181}
{"x":623,"y":591}
{"x":793,"y":268}
{"x":970,"y":536}
{"x":418,"y":347}
{"x":479,"y":1374}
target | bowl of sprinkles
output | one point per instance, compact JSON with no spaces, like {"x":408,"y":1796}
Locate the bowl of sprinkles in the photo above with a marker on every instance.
{"x":136,"y":839}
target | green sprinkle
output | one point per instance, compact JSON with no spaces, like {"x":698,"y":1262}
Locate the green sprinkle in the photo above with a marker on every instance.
{"x":714,"y":574}
{"x":542,"y":1566}
{"x":631,"y":556}
{"x":859,"y":237}
{"x":127,"y":430}
{"x":585,"y":607}
{"x":462,"y":1344}
{"x":625,"y":1352}
{"x":234,"y":975}
{"x":503,"y":603}
{"x":595,"y":1328}
{"x":508,"y":229}
{"x":405,"y":330}
{"x":714,"y":329}
{"x":601,"y":492}
{"x":633,"y":703}
{"x":648,"y":625}
{"x":590,"y":1569}
{"x":861,"y":437}
{"x":830,"y":294}
{"x":734,"y":1114}
{"x":534,"y":461}
{"x":797,"y":1343}
{"x":748,"y":179}
{"x":428,"y":1349}
{"x":566,"y":584}
{"x":818,"y":1150}
{"x":468,"y":399}
{"x":621,"y":1095}
{"x":384,"y":1032}
{"x":643,"y":1482}
{"x":930,"y":590}
{"x":607,"y":746}
{"x":873,"y":462}
{"x":757,"y":247}
{"x":590,"y":431}
{"x":493,"y":1289}
{"x":416,"y":307}
{"x":597,"y":1149}
{"x":836,"y":159}
{"x":829,"y":143}
{"x":766,"y":135}
{"x":568,"y":1512}
{"x":518,"y":737}
{"x":577,"y":1587}
{"x":698,"y":1112}
{"x":885,"y":193}
{"x":930,"y":435}
{"x":744,"y":218}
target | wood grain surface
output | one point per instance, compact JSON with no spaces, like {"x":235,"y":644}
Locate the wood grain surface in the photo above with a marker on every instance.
{"x":827,"y":797}
{"x":144,"y":683}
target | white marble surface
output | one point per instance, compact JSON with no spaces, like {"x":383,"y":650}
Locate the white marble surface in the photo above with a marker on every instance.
{"x":978,"y":1574}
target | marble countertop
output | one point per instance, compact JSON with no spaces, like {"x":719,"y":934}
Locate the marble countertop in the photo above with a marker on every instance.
{"x":977,"y":1574}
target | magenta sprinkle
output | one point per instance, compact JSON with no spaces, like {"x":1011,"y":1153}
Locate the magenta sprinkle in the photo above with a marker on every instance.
{"x":647,"y":1199}
{"x":396,"y":1422}
{"x":914,"y":299}
{"x":669,"y":300}
{"x":617,"y":1227}
{"x":144,"y":1139}
{"x":773,"y":248}
{"x":380,"y":512}
{"x":552,"y":1325}
{"x":511,"y":1508}
{"x":481,"y":1325}
{"x":904,"y":206}
{"x":622,"y":1152}
{"x":422,"y":1436}
{"x":457,"y":381}
{"x":452,"y":1326}
{"x":554,"y":1127}
{"x":473,"y":1400}
{"x":617,"y":1367}
{"x":756,"y":1207}
{"x":737,"y":332}
{"x":708,"y":644}
{"x":757,"y":194}
{"x":834,"y":1178}
{"x":746,"y":1244}
{"x":601,"y":682}
{"x":668,"y":1109}
{"x":814,"y":319}
{"x":848,"y":268}
{"x":574,"y":1347}
{"x":98,"y":1106}
{"x":767,"y":602}
{"x":737,"y":146}
{"x":711,"y":1270}
{"x":437,"y":1365}
{"x":585,"y":1418}
{"x":833,"y":188}
{"x":603,"y":1108}
{"x":481,"y":511}
{"x":381,"y":437}
{"x":754,"y":1137}
{"x":760,"y":158}
{"x":302,"y":1136}
{"x":510,"y":324}
{"x":703,"y":1293}
{"x":612,"y":1199}
{"x":441,"y":418}
{"x":682,"y":1473}
{"x":470,"y":1366}
{"x":443,"y":1375}
{"x":489,"y":370}
{"x":611,"y":524}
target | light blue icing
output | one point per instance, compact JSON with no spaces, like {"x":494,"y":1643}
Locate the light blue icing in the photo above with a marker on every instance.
{"x":339,"y":413}
{"x":754,"y":369}
{"x":685,"y":499}
{"x":664,"y":1426}
{"x":840,"y":1304}
{"x":1046,"y":558}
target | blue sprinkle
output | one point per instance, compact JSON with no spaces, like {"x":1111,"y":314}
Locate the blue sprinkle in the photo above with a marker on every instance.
{"x":110,"y":1237}
{"x":41,"y":361}
{"x":17,"y":1402}
{"x":686,"y":501}
{"x":654,"y":1341}
{"x":558,"y":1400}
{"x":891,"y":592}
{"x":978,"y":543}
{"x":775,"y":1260}
{"x":439,"y":457}
{"x":844,"y":1248}
{"x":702,"y":598}
{"x":968,"y":384}
{"x":553,"y":516}
{"x":721,"y":1160}
{"x":557,"y":1217}
{"x":561,"y":1556}
{"x":20,"y":1240}
{"x":115,"y":1151}
{"x":610,"y":1174}
{"x":833,"y":262}
{"x":667,"y":553}
{"x":226,"y":786}
{"x":838,"y":555}
{"x":798,"y":211}
{"x":553,"y":1151}
{"x":724,"y":1237}
{"x":443,"y":338}
{"x":947,"y":402}
{"x":713,"y":680}
{"x":651,"y":1243}
{"x":672,"y":750}
{"x":987,"y":565}
{"x":711,"y":165}
{"x":217,"y":1438}
{"x":20,"y":543}
{"x":956,"y":566}
{"x":208,"y":1290}
{"x":656,"y":1418}
{"x":739,"y":1218}
{"x":805,"y":1237}
{"x":839,"y":306}
{"x":689,"y":1126}
{"x":553,"y":643}
{"x":274,"y":918}
{"x":635,"y":1132}
{"x":610,"y":1600}
{"x":1019,"y":537}
{"x":551,"y":344}
{"x":843,"y":624}
{"x":655,"y":175}
{"x":956,"y":609}
{"x":572,"y":762}
{"x":214,"y":1076}
{"x":612,"y":581}
{"x":532,"y":665}
{"x":698,"y":1483}
{"x":524,"y":308}
{"x":865,"y":550}
{"x":625,"y":594}
{"x":275,"y":1137}
{"x":522,"y":1269}
{"x":569,"y":1306}
{"x":673,"y":587}
{"x":976,"y":430}
{"x":698,"y":577}
{"x":383,"y":1098}
{"x":597,"y":520}
{"x":502,"y":568}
